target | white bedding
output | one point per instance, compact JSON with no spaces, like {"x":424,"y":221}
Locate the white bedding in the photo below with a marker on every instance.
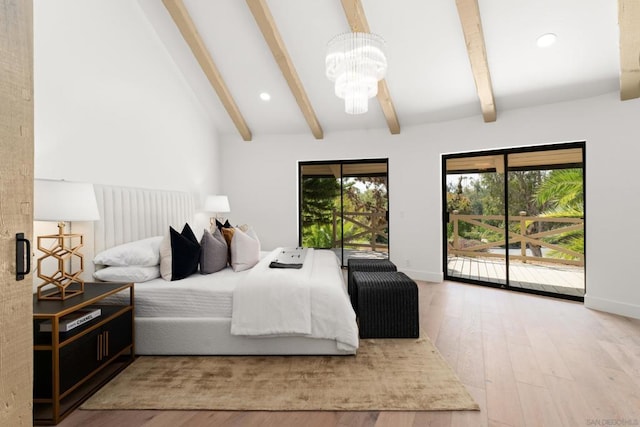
{"x":274,"y":301}
{"x":311,"y":301}
{"x":323,"y":303}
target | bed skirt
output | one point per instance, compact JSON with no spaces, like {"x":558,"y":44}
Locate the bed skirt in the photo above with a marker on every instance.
{"x":211,"y":336}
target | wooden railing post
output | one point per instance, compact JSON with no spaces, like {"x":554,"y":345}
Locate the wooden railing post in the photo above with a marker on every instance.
{"x":523,"y":232}
{"x":456,"y":243}
{"x":373,"y":223}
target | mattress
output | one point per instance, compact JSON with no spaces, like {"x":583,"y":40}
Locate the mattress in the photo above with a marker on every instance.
{"x":199,"y":295}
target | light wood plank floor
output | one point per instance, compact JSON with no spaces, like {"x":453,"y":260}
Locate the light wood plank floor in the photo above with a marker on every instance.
{"x":527,"y":360}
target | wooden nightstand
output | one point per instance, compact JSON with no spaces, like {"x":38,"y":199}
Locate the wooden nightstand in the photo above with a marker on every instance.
{"x":70,"y":366}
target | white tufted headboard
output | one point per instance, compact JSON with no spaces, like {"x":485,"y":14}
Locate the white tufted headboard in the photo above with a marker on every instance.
{"x":128,"y":214}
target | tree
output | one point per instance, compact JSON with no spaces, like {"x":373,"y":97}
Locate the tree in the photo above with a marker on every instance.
{"x":370,"y":196}
{"x":522,"y":188}
{"x":318,"y":199}
{"x":562,"y":196}
{"x":562,"y":192}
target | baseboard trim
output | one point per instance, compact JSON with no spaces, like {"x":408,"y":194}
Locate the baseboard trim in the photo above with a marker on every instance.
{"x":610,"y":306}
{"x":423,"y":275}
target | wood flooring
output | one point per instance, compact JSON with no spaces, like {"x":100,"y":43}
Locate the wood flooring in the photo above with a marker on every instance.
{"x":527,"y":360}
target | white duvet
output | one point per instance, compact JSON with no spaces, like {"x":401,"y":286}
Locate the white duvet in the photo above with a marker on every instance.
{"x":311,"y":301}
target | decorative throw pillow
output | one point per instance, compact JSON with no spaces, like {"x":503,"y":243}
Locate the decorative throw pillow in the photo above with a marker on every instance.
{"x":179,"y":254}
{"x":130,"y":273}
{"x":245,"y":250}
{"x":145,"y":252}
{"x":228,"y":234}
{"x":214,"y":253}
{"x":220,"y":225}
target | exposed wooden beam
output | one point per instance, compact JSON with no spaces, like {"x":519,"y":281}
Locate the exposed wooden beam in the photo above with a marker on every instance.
{"x":629,"y":22}
{"x":469,"y":13}
{"x":354,"y":12}
{"x":267,"y":25}
{"x":185,"y":24}
{"x":335,"y":170}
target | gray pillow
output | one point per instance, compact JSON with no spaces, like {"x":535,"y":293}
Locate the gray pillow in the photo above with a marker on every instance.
{"x":215,"y":252}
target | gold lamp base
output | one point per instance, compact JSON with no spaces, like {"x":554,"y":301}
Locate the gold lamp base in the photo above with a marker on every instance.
{"x":63,"y":249}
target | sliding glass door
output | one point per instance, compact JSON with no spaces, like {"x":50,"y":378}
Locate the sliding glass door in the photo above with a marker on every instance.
{"x":344,"y":206}
{"x":515,"y":218}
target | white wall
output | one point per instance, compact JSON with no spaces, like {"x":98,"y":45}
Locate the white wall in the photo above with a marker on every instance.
{"x":111,"y":106}
{"x":260,"y":178}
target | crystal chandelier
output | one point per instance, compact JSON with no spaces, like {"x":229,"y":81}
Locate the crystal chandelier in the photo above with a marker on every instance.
{"x":356,"y":62}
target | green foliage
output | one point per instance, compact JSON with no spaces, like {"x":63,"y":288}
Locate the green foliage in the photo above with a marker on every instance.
{"x":456,"y":199}
{"x":318,"y":199}
{"x":372,"y":199}
{"x":562,"y":195}
{"x":317,"y":236}
{"x":321,"y":196}
{"x":522,"y":188}
{"x":562,"y":191}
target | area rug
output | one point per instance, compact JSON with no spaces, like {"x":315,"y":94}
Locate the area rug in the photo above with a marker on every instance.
{"x":385,"y":375}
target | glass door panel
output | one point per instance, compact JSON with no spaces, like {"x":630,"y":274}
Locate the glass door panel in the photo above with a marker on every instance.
{"x":320,"y":206}
{"x":546,"y":221}
{"x":476,"y":248}
{"x":365,"y":215}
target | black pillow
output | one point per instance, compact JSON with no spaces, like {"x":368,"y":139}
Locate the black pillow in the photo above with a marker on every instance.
{"x":185,"y":253}
{"x":221,"y":225}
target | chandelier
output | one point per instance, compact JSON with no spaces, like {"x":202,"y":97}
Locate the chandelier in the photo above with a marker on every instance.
{"x":356,"y":62}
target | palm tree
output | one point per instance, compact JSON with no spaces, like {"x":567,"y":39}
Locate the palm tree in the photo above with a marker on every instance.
{"x":562,"y":190}
{"x":561,"y":194}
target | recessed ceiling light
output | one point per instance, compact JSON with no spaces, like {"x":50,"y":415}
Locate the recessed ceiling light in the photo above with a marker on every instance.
{"x":546,"y":40}
{"x":265,"y":96}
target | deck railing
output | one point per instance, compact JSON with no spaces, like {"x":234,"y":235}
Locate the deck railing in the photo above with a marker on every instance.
{"x":521,"y":236}
{"x":372,"y":225}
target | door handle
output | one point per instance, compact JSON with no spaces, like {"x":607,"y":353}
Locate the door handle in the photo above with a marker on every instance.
{"x":22,"y":257}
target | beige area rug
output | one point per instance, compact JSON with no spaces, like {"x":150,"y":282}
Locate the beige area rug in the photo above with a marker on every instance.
{"x":385,"y":375}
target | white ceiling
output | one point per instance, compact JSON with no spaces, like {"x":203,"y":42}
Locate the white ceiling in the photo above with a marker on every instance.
{"x":429,"y":76}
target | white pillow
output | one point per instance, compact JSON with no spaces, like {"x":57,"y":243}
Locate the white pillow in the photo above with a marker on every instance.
{"x":145,"y":252}
{"x":165,"y":258}
{"x":135,"y":274}
{"x":245,"y":249}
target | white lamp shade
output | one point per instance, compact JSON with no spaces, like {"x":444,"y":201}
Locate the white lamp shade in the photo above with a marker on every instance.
{"x":64,"y":201}
{"x":217,"y":204}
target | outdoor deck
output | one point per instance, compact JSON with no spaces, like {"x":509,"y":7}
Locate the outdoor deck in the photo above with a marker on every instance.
{"x":555,"y":278}
{"x":355,"y":253}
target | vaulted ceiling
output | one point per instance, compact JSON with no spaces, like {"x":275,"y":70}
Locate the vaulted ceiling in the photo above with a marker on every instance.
{"x":448,"y":59}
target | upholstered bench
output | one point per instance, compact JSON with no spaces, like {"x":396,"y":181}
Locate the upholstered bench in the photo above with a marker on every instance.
{"x":387,"y":305}
{"x":364,"y":264}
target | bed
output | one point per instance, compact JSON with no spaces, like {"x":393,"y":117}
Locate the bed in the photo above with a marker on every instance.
{"x":212,"y":314}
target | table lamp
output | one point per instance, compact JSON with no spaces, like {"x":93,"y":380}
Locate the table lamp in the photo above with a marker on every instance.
{"x":216,"y":204}
{"x":62,"y":201}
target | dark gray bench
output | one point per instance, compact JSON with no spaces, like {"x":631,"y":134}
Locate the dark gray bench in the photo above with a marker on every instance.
{"x":364,"y":264}
{"x":387,"y":305}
